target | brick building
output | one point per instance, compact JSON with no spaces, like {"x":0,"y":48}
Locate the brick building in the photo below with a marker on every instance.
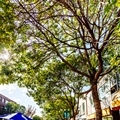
{"x":4,"y":100}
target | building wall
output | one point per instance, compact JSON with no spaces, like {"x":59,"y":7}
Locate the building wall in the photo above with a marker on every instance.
{"x":108,"y":88}
{"x":4,"y":100}
{"x":82,"y":108}
{"x":90,"y":104}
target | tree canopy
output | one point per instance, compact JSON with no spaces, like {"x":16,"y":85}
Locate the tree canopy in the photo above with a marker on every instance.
{"x":83,"y":35}
{"x":12,"y":107}
{"x":36,"y":117}
{"x":54,"y":109}
{"x":7,"y":23}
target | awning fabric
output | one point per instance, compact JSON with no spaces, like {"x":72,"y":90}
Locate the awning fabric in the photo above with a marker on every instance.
{"x":116,"y":101}
{"x":15,"y":116}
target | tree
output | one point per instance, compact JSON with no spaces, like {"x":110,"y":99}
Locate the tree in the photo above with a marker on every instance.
{"x":57,"y":83}
{"x":36,"y":117}
{"x":55,"y":109}
{"x":22,"y":109}
{"x":77,"y":32}
{"x":7,"y":24}
{"x":12,"y":107}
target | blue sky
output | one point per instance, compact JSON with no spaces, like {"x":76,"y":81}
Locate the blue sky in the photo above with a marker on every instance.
{"x":17,"y":94}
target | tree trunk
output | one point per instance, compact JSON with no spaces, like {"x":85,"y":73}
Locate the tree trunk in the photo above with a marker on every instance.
{"x":73,"y":112}
{"x":97,"y":103}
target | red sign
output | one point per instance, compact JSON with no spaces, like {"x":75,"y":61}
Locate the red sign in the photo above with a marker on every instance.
{"x":116,"y":108}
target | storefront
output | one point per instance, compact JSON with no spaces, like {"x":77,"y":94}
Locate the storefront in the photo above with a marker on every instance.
{"x":106,"y":113}
{"x":91,"y":117}
{"x":116,"y":106}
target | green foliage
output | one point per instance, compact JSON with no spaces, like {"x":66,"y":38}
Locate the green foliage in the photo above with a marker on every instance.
{"x":57,"y":36}
{"x":12,"y":107}
{"x":7,"y":22}
{"x":55,"y":109}
{"x":36,"y":117}
{"x":61,"y":46}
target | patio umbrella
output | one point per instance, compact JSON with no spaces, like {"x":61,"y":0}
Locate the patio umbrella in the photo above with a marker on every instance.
{"x":15,"y":116}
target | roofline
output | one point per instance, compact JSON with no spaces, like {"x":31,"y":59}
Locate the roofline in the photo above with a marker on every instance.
{"x":7,"y":98}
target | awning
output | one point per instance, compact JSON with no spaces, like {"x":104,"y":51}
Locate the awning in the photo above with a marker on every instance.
{"x":15,"y":116}
{"x":116,"y":101}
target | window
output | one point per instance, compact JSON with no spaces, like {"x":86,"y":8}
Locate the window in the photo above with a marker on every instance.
{"x":115,"y":83}
{"x":83,"y":108}
{"x":119,"y":84}
{"x":3,"y":100}
{"x":6,"y":102}
{"x":80,"y":111}
{"x":0,"y":99}
{"x":104,"y":90}
{"x":118,"y":80}
{"x":91,"y":100}
{"x":113,"y":89}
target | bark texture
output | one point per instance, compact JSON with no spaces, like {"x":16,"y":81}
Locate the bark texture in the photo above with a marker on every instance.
{"x":97,"y":103}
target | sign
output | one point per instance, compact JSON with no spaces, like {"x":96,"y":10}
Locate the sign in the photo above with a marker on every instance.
{"x":66,"y":114}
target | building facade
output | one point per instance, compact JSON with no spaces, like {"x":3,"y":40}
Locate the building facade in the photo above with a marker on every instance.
{"x":4,"y":100}
{"x":109,"y":95}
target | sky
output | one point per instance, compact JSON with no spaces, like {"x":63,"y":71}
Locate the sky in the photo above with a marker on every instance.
{"x":18,"y":95}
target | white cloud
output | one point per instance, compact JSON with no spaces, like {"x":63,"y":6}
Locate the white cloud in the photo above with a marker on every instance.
{"x":24,"y":90}
{"x":17,"y":100}
{"x":31,"y":99}
{"x":23,"y":94}
{"x":8,"y":88}
{"x":10,"y":92}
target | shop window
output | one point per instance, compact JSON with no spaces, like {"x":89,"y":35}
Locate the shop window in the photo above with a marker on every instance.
{"x":107,"y":118}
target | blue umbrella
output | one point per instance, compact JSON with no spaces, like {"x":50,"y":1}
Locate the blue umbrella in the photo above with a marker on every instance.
{"x":15,"y":116}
